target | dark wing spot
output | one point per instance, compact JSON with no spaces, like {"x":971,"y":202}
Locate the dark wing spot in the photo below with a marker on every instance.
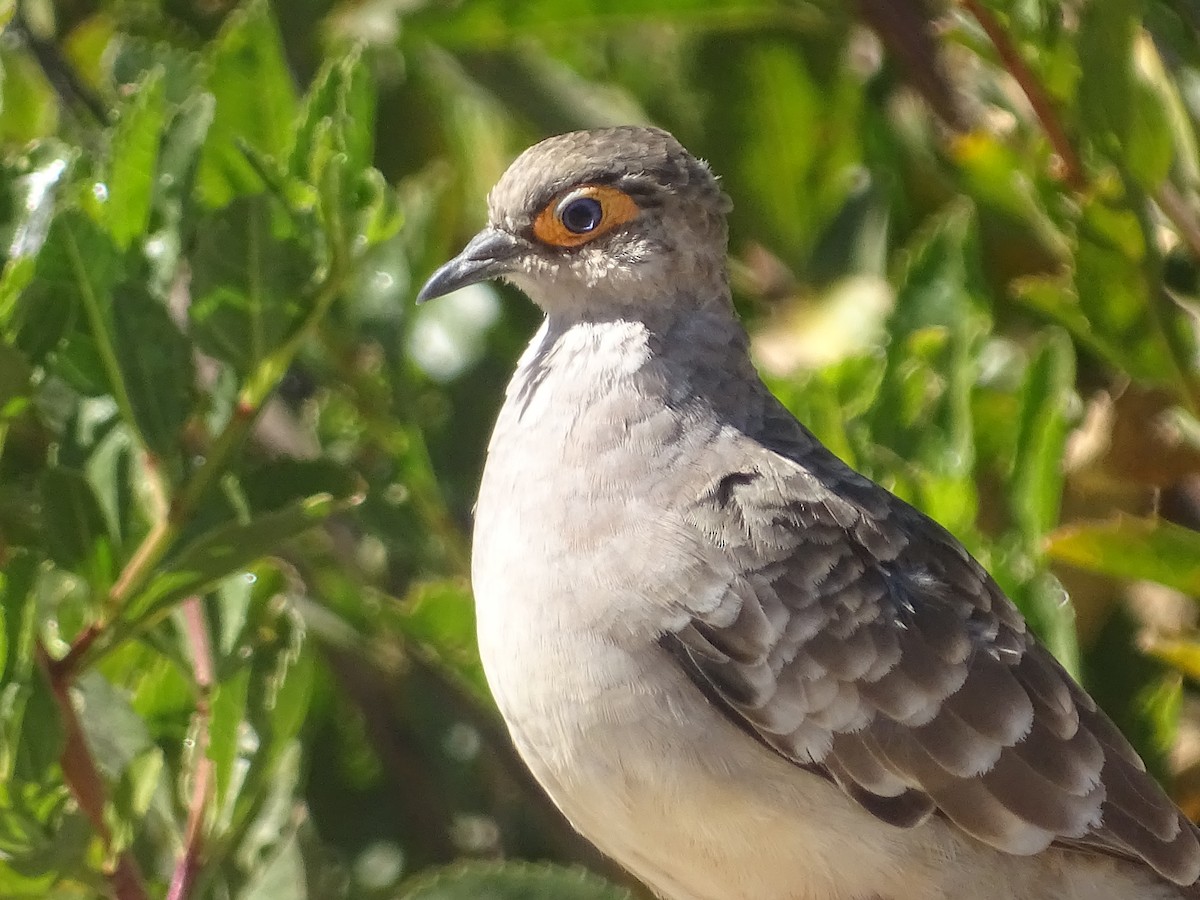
{"x":728,"y":484}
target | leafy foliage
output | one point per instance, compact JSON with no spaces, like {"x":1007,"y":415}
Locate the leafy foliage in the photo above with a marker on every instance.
{"x":237,"y":465}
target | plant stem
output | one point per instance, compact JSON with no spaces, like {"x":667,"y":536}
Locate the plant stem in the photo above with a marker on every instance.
{"x":1043,"y":108}
{"x":58,"y":70}
{"x":84,"y":781}
{"x":95,"y":642}
{"x":183,"y":879}
{"x":1166,"y":196}
{"x":1175,"y":208}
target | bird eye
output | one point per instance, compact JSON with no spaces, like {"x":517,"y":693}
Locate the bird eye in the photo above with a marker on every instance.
{"x":581,"y":215}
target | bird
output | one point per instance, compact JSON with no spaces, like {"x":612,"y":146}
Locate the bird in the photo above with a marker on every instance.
{"x":739,"y":667}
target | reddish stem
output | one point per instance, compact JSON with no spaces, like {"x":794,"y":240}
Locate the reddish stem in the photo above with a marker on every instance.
{"x":84,"y":781}
{"x":188,"y":866}
{"x":1014,"y":63}
{"x":64,"y":669}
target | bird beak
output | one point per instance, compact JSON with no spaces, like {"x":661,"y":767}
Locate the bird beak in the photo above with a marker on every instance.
{"x":487,"y":255}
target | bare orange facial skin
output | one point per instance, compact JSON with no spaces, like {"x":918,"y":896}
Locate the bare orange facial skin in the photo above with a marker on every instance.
{"x":616,"y":208}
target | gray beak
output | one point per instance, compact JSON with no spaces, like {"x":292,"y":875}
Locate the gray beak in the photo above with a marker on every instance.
{"x":487,"y":255}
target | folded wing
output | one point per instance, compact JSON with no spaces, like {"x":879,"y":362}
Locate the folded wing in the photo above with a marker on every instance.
{"x":855,"y":636}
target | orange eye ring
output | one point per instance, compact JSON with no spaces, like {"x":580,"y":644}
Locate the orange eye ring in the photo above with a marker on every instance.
{"x":615,"y":208}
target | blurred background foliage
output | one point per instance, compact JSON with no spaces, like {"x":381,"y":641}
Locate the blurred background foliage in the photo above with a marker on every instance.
{"x":237,"y":463}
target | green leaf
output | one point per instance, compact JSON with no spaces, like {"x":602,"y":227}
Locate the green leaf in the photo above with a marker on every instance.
{"x":180,"y":155}
{"x":265,"y":682}
{"x":233,"y":611}
{"x":923,"y":410}
{"x":1106,"y":95}
{"x":497,"y":22}
{"x":1124,"y":93}
{"x":1116,"y":292}
{"x":77,"y":536}
{"x":280,"y":872}
{"x":156,"y":366}
{"x":131,"y":798}
{"x":18,"y":614}
{"x":332,"y":155}
{"x":78,"y":263}
{"x":46,"y":840}
{"x":27,"y":101}
{"x":1125,"y":547}
{"x":439,"y":616}
{"x":133,"y":161}
{"x":991,"y":169}
{"x":1181,"y":655}
{"x":1136,"y":690}
{"x":226,"y":550}
{"x":255,"y":104}
{"x":375,"y":214}
{"x":105,"y":451}
{"x":512,"y":881}
{"x":768,"y":160}
{"x":1047,"y":402}
{"x":35,"y":748}
{"x":280,"y":482}
{"x":116,"y":735}
{"x":248,"y":279}
{"x":1054,"y":296}
{"x":228,"y":747}
{"x":15,"y":373}
{"x":282,"y":672}
{"x":272,"y":847}
{"x":1150,"y":144}
{"x":342,"y":96}
{"x":138,"y":54}
{"x":1043,"y":600}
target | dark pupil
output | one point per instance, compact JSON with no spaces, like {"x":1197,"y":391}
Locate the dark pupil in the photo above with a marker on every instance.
{"x":582,"y":215}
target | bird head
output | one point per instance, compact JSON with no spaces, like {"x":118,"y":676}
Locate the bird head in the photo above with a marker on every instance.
{"x":599,"y":220}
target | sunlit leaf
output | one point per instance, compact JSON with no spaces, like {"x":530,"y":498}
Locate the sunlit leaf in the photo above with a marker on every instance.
{"x":255,"y":103}
{"x":229,"y":549}
{"x":923,"y":410}
{"x":26,"y":98}
{"x":512,"y":881}
{"x":133,"y":162}
{"x":248,"y":279}
{"x":1182,"y":655}
{"x":1125,"y":547}
{"x":440,"y":616}
{"x":75,"y":270}
{"x":1048,"y":399}
{"x":493,"y":21}
{"x":342,"y":95}
{"x":1115,"y":291}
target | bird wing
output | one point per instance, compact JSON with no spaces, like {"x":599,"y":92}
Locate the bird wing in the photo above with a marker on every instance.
{"x":852,"y":634}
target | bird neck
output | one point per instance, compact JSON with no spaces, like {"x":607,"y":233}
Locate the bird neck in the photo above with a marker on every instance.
{"x":659,"y":312}
{"x":579,"y":358}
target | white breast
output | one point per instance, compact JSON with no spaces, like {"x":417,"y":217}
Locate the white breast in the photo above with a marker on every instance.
{"x":573,"y":569}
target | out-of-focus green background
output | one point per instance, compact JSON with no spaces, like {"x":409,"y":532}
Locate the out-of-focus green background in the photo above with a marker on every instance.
{"x":237,"y":463}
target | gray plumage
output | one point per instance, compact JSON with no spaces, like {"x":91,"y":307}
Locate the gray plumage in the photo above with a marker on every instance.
{"x":739,"y":667}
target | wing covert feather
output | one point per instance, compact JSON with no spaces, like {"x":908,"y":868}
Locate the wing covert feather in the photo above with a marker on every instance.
{"x":856,"y":637}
